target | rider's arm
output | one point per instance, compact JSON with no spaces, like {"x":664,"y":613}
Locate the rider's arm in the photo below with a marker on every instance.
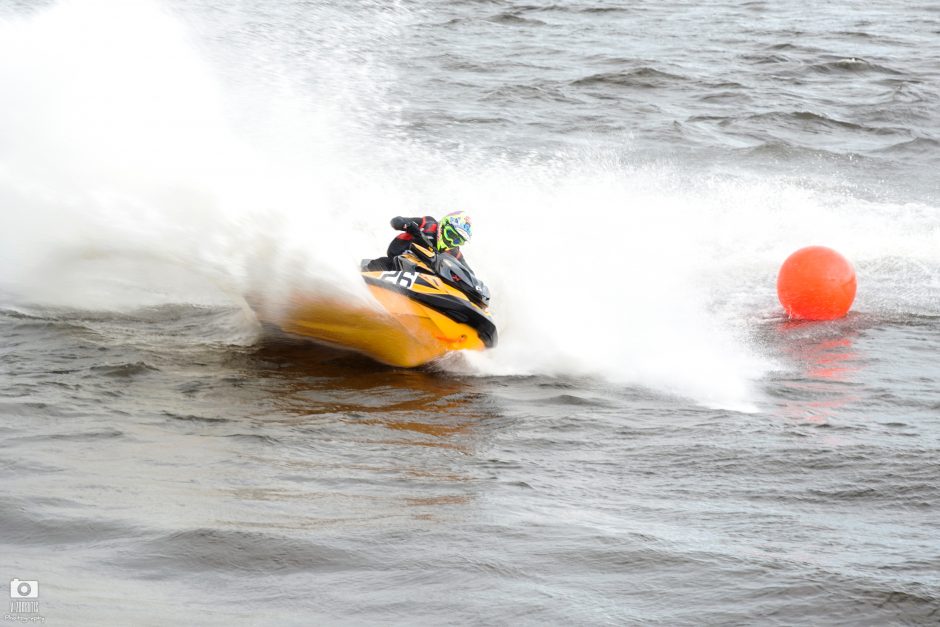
{"x":400,"y":223}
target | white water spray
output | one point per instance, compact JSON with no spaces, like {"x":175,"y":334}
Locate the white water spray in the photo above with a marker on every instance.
{"x":123,"y":142}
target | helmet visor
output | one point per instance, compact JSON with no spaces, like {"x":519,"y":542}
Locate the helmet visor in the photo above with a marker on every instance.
{"x":453,"y":236}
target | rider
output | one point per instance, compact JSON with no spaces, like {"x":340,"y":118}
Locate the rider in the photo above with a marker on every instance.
{"x":446,"y":236}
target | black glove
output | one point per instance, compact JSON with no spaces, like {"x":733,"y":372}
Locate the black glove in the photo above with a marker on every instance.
{"x":414,"y":229}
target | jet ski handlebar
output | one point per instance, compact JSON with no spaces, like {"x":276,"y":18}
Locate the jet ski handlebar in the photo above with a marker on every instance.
{"x":415,"y":231}
{"x":450,"y":269}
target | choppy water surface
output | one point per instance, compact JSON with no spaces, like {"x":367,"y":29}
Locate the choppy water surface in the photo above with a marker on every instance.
{"x":652,"y":443}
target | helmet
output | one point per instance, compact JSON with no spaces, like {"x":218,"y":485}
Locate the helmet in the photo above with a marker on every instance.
{"x":455,"y":230}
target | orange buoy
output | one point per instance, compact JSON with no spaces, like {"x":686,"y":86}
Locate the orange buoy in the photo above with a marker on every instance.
{"x":816,"y":283}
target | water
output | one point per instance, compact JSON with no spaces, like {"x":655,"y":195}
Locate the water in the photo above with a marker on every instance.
{"x":652,"y":442}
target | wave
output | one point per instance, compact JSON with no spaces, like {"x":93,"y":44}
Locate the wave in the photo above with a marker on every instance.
{"x":810,"y":118}
{"x":514,"y":18}
{"x":851,"y":65}
{"x":917,"y":145}
{"x":642,"y":77}
{"x":505,"y":18}
{"x":766,"y":59}
{"x":777,"y":148}
{"x":24,"y":526}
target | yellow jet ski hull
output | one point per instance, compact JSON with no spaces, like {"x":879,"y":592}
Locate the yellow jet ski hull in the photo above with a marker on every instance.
{"x":407,"y":334}
{"x":420,"y":318}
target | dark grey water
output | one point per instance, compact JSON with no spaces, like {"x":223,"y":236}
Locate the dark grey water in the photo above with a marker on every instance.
{"x":658,"y":446}
{"x":281,"y":483}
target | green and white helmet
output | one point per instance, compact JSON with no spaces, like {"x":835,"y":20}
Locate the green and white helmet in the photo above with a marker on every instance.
{"x":455,"y":230}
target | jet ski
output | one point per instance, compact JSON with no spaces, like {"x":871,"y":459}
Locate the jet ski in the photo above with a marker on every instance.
{"x":431,"y":305}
